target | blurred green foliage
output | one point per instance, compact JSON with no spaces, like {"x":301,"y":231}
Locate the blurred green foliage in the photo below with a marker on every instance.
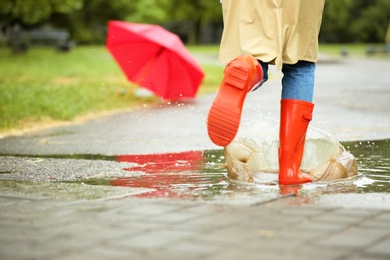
{"x":349,"y":21}
{"x":344,"y":20}
{"x":87,"y":19}
{"x":35,"y":11}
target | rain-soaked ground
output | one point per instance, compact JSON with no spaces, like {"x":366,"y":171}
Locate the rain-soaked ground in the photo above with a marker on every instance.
{"x":202,"y":174}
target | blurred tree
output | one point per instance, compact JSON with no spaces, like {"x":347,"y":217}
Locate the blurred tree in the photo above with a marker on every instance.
{"x":150,"y":11}
{"x":195,"y":13}
{"x":87,"y":19}
{"x":355,"y":20}
{"x":343,"y":21}
{"x":336,"y":18}
{"x":373,"y":19}
{"x":30,"y":12}
{"x":88,"y":25}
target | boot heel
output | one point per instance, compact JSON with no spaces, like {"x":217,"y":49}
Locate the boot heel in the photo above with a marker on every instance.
{"x":237,"y":77}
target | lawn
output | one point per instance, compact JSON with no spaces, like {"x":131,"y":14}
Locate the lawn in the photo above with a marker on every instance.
{"x":43,"y":85}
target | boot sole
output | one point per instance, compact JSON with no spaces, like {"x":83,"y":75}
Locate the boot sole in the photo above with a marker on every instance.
{"x":225,"y":113}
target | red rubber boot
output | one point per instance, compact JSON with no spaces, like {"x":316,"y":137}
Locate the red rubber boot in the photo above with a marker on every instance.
{"x":295,"y":116}
{"x":240,"y":76}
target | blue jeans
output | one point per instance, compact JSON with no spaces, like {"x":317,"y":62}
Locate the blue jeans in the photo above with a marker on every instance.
{"x":297,"y":81}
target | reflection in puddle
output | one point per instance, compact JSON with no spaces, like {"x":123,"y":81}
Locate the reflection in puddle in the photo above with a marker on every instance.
{"x":202,"y":174}
{"x":187,"y":175}
{"x":177,"y":186}
{"x":168,"y":162}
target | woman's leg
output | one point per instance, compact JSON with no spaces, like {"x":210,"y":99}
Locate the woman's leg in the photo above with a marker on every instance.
{"x":295,"y":116}
{"x":298,"y":81}
{"x":264,"y":67}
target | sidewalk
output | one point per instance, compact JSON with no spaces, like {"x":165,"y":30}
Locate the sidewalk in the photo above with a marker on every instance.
{"x":163,"y":229}
{"x":76,"y":221}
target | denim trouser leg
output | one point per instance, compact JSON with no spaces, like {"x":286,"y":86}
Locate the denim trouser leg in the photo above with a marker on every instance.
{"x":264,"y":66}
{"x":298,"y":81}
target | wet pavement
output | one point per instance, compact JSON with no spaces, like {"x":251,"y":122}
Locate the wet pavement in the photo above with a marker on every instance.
{"x":75,"y":192}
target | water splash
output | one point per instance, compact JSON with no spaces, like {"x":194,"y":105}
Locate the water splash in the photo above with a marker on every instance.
{"x":254,"y":151}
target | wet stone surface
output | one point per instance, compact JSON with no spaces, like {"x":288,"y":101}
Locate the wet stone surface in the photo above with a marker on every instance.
{"x":46,"y":169}
{"x":191,"y":175}
{"x":64,"y":191}
{"x":170,"y":229}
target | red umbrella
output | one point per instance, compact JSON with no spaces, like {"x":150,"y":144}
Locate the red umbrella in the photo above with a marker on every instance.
{"x":154,"y":58}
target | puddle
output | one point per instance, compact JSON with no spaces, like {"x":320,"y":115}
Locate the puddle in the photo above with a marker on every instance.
{"x":374,"y":165}
{"x":202,"y":175}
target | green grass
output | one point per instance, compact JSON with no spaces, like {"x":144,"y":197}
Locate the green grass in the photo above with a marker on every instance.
{"x":43,"y":85}
{"x":206,"y":49}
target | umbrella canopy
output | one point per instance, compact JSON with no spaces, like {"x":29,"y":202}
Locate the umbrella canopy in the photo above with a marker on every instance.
{"x":154,"y":58}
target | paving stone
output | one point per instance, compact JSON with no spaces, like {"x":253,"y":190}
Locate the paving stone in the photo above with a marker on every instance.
{"x":311,"y":252}
{"x":322,"y":227}
{"x":354,"y":238}
{"x":384,"y":217}
{"x":381,"y":247}
{"x":227,"y":236}
{"x":152,"y":239}
{"x":374,"y":224}
{"x":150,"y":229}
{"x":304,"y":212}
{"x":234,"y":254}
{"x":103,"y":252}
{"x":368,"y":256}
{"x":356,"y":212}
{"x":341,"y":219}
{"x":189,"y":249}
{"x":144,"y":208}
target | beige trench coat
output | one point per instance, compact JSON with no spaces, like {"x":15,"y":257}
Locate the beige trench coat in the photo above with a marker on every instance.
{"x":274,"y":31}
